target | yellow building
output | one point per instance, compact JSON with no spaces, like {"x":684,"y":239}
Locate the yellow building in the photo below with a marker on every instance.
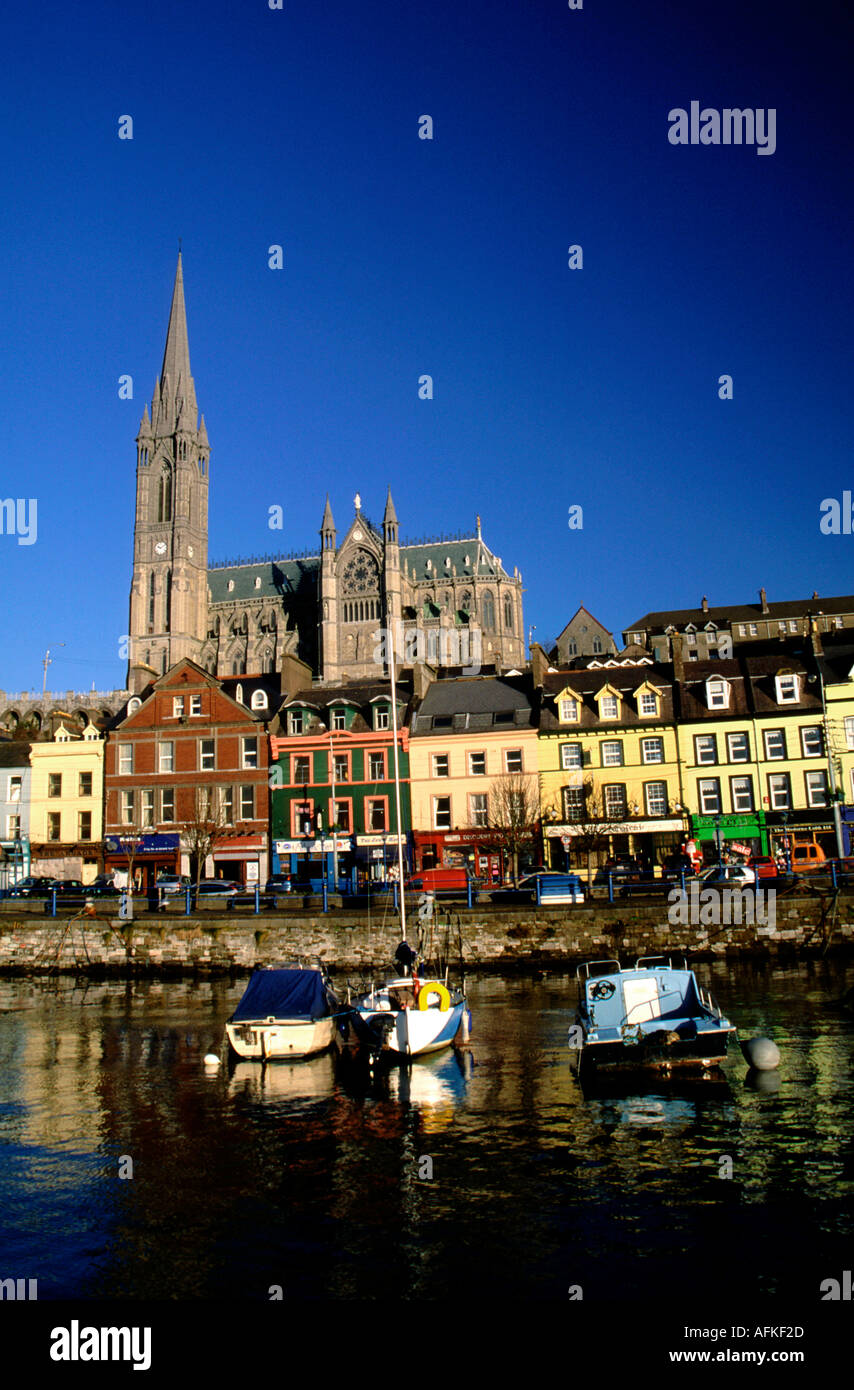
{"x":473,"y":745}
{"x":66,"y":807}
{"x":608,"y":765}
{"x":754,"y":752}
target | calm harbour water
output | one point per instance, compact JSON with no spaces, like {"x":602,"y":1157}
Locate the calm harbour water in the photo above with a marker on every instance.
{"x":312,"y":1177}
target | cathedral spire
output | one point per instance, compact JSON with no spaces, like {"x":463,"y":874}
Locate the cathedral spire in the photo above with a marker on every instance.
{"x":176,"y":358}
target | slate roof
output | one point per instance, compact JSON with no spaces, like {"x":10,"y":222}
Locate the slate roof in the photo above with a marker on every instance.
{"x":299,"y":576}
{"x":279,"y":579}
{"x":587,"y":684}
{"x":740,"y":613}
{"x":473,"y":703}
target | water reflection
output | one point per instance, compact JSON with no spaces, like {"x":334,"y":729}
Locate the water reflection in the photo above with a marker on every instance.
{"x":314,"y":1175}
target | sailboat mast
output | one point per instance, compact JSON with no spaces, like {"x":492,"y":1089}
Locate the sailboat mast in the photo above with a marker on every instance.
{"x":400,"y":890}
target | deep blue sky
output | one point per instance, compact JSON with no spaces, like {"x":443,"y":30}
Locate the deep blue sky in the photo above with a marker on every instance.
{"x":404,"y":257}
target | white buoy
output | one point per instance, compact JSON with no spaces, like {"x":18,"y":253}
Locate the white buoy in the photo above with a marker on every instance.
{"x":761,"y":1053}
{"x":211,"y":1060}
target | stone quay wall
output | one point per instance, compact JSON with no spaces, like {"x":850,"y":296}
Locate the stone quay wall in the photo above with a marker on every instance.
{"x":216,"y":942}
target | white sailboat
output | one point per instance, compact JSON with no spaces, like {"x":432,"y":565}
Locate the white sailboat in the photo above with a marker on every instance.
{"x":410,"y":1015}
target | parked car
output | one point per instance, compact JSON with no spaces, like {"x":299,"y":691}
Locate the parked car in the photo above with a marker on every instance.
{"x":278,"y":883}
{"x":68,"y":887}
{"x":732,"y":874}
{"x":675,"y":865}
{"x":172,"y":883}
{"x":622,"y":869}
{"x":34,"y":886}
{"x":102,"y":887}
{"x":807,"y":856}
{"x":218,"y":888}
{"x":569,"y":886}
{"x":764,"y":866}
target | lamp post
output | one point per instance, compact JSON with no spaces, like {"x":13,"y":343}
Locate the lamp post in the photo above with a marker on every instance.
{"x":718,"y":837}
{"x":48,"y":661}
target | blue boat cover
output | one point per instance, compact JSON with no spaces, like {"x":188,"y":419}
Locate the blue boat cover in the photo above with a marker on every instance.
{"x":283,"y":994}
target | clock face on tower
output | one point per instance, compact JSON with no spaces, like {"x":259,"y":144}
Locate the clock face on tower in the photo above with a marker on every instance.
{"x":160,"y":547}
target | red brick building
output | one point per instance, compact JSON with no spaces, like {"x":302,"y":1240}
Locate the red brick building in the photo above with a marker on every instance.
{"x":191,"y":749}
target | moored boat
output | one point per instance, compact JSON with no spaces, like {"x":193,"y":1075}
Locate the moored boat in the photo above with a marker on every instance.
{"x":284,"y":1013}
{"x":409,"y":1016}
{"x":651,"y":1018}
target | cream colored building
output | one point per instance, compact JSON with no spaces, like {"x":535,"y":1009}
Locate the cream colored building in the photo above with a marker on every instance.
{"x":66,"y":807}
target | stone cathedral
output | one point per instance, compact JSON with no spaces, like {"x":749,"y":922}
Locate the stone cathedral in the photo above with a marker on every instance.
{"x":323,"y":607}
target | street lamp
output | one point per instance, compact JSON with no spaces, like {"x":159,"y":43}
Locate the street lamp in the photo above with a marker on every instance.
{"x":48,"y":661}
{"x":718,"y":837}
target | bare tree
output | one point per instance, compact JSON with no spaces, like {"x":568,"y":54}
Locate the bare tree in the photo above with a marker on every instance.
{"x":513,"y":814}
{"x":205,"y":828}
{"x":592,"y":828}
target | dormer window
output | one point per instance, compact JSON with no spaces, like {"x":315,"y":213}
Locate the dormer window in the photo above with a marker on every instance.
{"x":257,"y":581}
{"x":339,"y":719}
{"x":381,"y":718}
{"x":259,"y":699}
{"x":568,"y":711}
{"x":787,"y":690}
{"x":717,"y":694}
{"x":648,"y":705}
{"x":231,"y":586}
{"x":295,"y":721}
{"x":238,"y":694}
{"x":691,"y":639}
{"x":608,"y":707}
{"x":134,"y":705}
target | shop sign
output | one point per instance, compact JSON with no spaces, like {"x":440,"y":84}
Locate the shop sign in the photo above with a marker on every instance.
{"x":142,"y":844}
{"x":310,"y":846}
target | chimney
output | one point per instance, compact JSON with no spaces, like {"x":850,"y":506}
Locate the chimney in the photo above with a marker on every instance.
{"x":678,"y":656}
{"x":763,"y":599}
{"x":539,"y":665}
{"x":705,"y":604}
{"x":815,"y":593}
{"x":815,"y":637}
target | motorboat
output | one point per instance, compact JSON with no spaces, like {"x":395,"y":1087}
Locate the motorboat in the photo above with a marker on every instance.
{"x":284,"y":1013}
{"x":652,"y":1017}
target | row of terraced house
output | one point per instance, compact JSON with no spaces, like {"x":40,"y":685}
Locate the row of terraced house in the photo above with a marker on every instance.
{"x":264,"y":774}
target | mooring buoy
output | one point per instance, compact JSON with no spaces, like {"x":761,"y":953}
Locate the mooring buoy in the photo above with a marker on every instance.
{"x":761,"y":1054}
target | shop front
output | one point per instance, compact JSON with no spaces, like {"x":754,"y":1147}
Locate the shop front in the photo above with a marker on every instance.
{"x":735,"y":836}
{"x":242,"y":859}
{"x":787,"y":828}
{"x":142,"y":857}
{"x":475,"y":850}
{"x":376,"y":857}
{"x":311,"y":859}
{"x":650,"y":842}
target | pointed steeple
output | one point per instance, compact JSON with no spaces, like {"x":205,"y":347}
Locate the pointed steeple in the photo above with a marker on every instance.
{"x":389,"y":514}
{"x":327,"y":524}
{"x":176,"y":358}
{"x":203,"y":434}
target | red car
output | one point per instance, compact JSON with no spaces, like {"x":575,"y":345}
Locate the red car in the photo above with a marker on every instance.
{"x":764,"y":866}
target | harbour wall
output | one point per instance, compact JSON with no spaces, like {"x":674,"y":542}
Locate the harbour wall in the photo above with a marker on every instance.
{"x":215,"y":942}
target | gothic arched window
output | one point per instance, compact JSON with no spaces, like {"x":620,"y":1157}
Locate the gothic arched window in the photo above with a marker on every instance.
{"x":151,"y":600}
{"x":508,"y":613}
{"x":360,"y":588}
{"x":168,"y":623}
{"x":164,"y":496}
{"x":487,"y":609}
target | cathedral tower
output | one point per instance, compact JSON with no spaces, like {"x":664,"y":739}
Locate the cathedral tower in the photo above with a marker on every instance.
{"x":169,"y":589}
